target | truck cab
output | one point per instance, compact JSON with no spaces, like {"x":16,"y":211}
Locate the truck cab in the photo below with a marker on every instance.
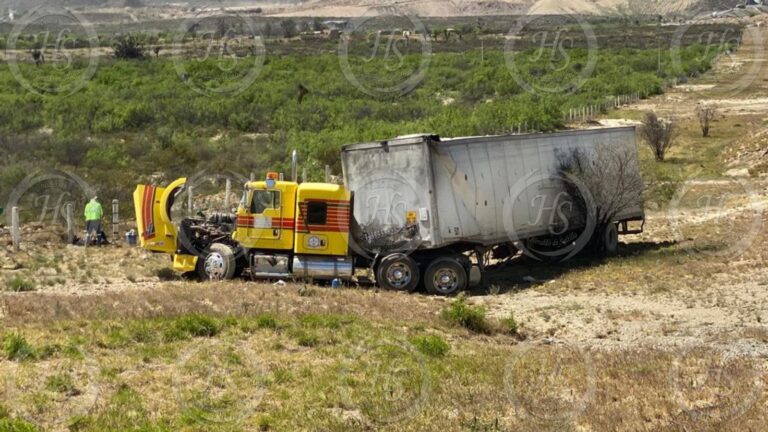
{"x":281,"y":229}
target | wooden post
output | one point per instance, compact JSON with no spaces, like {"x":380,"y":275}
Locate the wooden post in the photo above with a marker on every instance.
{"x":227,"y":191}
{"x":70,"y":223}
{"x":253,"y":176}
{"x":15,"y":232}
{"x":327,"y":173}
{"x":304,"y":175}
{"x":115,"y":220}
{"x":189,"y":201}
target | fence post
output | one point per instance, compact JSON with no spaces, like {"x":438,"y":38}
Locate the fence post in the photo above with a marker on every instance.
{"x":15,"y":232}
{"x":189,"y":201}
{"x":70,"y":223}
{"x":116,"y":220}
{"x":327,"y":173}
{"x":227,"y":191}
{"x":303,"y":175}
{"x":253,"y":176}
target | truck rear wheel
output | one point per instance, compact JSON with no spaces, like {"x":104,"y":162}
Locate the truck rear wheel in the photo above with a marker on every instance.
{"x":218,"y":263}
{"x":445,"y":276}
{"x":398,"y":272}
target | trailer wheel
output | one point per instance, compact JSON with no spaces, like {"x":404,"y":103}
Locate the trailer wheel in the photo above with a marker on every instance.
{"x":611,"y":239}
{"x":445,"y":276}
{"x":218,"y":263}
{"x":398,"y":272}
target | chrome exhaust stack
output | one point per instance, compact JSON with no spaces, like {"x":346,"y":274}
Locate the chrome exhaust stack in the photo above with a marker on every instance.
{"x":295,"y":166}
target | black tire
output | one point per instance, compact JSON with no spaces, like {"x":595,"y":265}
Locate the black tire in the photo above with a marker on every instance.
{"x":218,"y":263}
{"x":398,"y":272}
{"x":610,"y":240}
{"x":445,"y":276}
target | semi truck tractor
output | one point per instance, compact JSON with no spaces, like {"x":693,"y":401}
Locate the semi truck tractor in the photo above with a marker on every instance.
{"x":412,"y":212}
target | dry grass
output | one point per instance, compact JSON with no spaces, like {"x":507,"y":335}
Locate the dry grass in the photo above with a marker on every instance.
{"x":363,"y":375}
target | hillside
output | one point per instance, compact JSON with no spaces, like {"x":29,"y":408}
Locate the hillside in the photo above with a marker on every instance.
{"x":351,"y":8}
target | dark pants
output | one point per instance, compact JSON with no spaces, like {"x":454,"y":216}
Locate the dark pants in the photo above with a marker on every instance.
{"x":93,"y":227}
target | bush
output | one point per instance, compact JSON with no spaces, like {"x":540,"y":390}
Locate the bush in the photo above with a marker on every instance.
{"x":509,"y":324}
{"x":431,"y":345}
{"x":198,"y":326}
{"x":19,"y":284}
{"x":659,"y":134}
{"x":470,"y":317}
{"x":129,"y":47}
{"x":16,"y":347}
{"x":267,"y":321}
{"x":61,"y":383}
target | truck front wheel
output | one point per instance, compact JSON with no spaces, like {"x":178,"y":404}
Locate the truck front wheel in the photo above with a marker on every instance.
{"x":445,"y":276}
{"x":398,"y":272}
{"x":218,"y":263}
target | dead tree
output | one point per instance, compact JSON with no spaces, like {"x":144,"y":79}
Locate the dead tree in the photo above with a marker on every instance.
{"x":659,"y":134}
{"x":602,"y":183}
{"x":706,"y":115}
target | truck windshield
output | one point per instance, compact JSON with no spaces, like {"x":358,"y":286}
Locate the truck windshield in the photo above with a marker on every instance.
{"x":264,"y":200}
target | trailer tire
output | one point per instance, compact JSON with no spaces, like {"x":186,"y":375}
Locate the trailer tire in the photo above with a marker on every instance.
{"x":218,"y":263}
{"x":445,"y":276}
{"x":610,"y":242}
{"x":398,"y":272}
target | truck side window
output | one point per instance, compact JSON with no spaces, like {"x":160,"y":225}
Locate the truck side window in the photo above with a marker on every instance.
{"x":317,"y":213}
{"x":264,"y":200}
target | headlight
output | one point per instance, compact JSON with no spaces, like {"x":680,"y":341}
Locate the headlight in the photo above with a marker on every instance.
{"x":314,"y":242}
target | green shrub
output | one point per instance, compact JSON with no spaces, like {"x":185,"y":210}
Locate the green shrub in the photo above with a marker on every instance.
{"x":61,"y":383}
{"x":431,"y":345}
{"x":16,"y":347}
{"x":198,"y":326}
{"x":510,"y":324}
{"x":17,"y":425}
{"x":268,"y":321}
{"x":307,"y":339}
{"x":470,"y":317}
{"x":324,"y":321}
{"x":19,"y":284}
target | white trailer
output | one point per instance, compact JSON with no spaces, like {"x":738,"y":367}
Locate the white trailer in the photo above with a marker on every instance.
{"x":420,"y":200}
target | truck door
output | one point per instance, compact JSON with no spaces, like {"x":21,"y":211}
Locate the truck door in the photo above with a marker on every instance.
{"x":266,"y":221}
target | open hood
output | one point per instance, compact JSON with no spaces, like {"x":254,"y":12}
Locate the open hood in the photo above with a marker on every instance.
{"x":157,"y":232}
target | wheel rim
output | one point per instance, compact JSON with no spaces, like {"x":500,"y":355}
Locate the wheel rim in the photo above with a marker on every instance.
{"x":446,"y":280}
{"x":399,"y":275}
{"x":214,"y":266}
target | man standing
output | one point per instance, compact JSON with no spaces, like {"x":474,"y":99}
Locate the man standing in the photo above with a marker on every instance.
{"x":93,"y":215}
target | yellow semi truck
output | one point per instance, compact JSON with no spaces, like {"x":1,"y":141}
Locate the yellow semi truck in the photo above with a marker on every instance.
{"x":414,"y":211}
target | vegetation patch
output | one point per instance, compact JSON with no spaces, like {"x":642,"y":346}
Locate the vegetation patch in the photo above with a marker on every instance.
{"x":20,"y":284}
{"x":431,"y":345}
{"x":16,"y":347}
{"x":470,"y":317}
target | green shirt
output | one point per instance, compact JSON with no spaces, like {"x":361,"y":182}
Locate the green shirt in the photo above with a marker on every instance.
{"x":93,"y":211}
